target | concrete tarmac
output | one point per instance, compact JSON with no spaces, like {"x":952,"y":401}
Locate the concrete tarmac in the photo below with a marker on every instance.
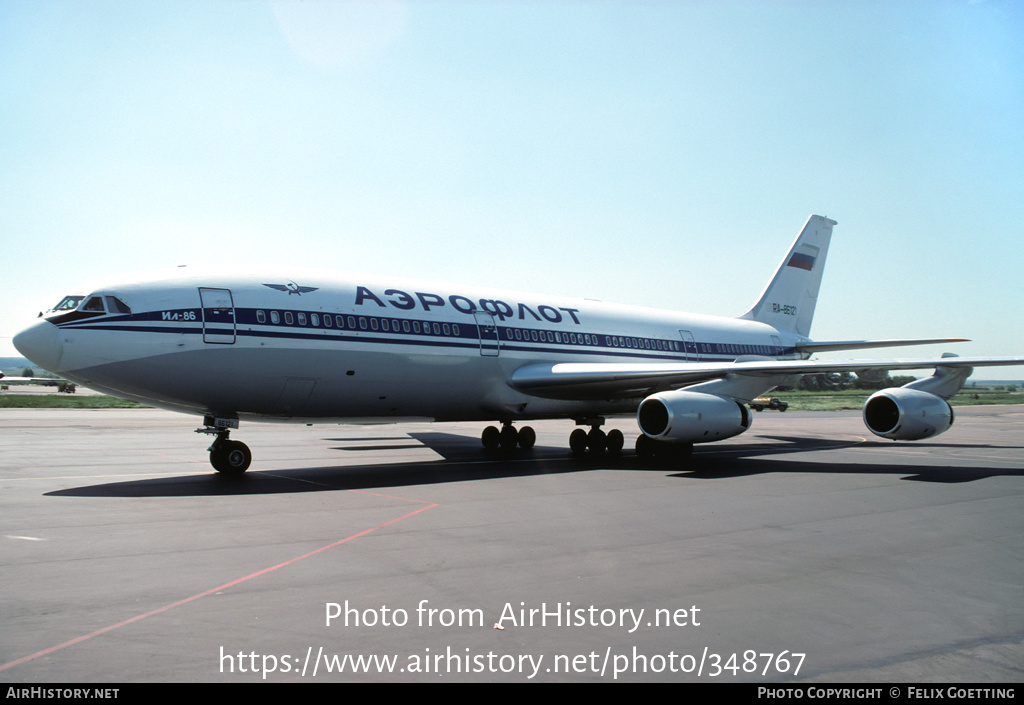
{"x":805,"y":550}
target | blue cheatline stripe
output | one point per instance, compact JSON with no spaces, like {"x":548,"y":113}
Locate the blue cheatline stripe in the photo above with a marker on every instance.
{"x":469,"y":344}
{"x":466,"y":338}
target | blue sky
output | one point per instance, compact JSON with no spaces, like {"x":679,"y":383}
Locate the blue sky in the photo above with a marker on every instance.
{"x":656,"y":153}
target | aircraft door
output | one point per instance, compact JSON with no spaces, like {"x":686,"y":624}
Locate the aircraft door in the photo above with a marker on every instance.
{"x":489,"y":345}
{"x":689,"y":346}
{"x":218,"y":316}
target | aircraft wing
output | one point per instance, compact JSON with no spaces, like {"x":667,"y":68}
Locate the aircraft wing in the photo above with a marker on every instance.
{"x":599,"y":380}
{"x":835,"y":345}
{"x":43,"y":380}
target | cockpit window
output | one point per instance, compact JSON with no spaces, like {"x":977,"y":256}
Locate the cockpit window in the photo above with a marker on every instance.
{"x":79,"y":308}
{"x":116,"y":305}
{"x":93,"y":304}
{"x":68,"y":303}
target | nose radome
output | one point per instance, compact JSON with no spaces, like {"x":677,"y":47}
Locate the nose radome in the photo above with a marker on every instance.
{"x":41,"y":344}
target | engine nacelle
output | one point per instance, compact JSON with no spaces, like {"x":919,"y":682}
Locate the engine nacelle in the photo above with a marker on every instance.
{"x":903,"y":414}
{"x":691,"y":417}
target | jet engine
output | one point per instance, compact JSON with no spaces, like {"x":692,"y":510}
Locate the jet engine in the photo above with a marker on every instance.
{"x":903,"y":414}
{"x":691,"y":417}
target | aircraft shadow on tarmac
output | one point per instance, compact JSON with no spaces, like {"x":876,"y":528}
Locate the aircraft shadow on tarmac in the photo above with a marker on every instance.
{"x":462,"y":460}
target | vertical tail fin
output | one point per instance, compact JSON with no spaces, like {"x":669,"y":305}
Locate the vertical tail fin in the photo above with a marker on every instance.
{"x":788,"y":301}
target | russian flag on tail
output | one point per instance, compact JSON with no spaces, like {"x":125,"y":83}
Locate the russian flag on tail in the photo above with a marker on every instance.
{"x":801,"y":261}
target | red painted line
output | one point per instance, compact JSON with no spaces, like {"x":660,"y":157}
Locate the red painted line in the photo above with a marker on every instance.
{"x":112,"y":627}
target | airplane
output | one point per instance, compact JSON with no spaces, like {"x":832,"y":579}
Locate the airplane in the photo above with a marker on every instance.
{"x":313,"y":346}
{"x":63,"y":385}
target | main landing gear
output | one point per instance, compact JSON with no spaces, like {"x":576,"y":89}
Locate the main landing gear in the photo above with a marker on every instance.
{"x":596,"y":441}
{"x":649,"y":448}
{"x":580,"y":441}
{"x":508,"y":437}
{"x":229,"y":458}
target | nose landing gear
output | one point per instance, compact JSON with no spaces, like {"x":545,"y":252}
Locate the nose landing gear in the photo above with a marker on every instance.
{"x":229,"y":458}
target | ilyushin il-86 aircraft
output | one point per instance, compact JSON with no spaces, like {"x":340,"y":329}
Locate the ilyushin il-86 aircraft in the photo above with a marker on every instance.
{"x":312,"y":346}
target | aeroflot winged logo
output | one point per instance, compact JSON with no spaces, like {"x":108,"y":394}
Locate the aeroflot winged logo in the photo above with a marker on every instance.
{"x":292,"y":288}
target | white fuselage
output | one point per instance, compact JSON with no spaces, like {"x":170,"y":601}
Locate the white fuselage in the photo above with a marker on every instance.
{"x":360,"y":348}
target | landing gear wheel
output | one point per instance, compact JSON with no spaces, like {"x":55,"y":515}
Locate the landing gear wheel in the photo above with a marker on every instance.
{"x":614,"y":442}
{"x":644,"y":446}
{"x":527,"y":437}
{"x":596,"y":440}
{"x":230,"y":458}
{"x":491,"y":438}
{"x":578,"y":441}
{"x":508,"y":437}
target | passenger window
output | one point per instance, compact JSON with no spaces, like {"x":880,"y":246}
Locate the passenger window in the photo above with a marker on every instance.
{"x":288,"y":317}
{"x":275,"y":317}
{"x":261,"y":317}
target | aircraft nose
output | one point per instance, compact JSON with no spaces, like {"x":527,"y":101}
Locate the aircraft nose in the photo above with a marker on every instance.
{"x":41,"y":344}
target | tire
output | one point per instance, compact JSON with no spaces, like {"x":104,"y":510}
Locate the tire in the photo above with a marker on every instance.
{"x":578,"y":441}
{"x":231,"y":458}
{"x":614,"y":441}
{"x":508,"y":437}
{"x":527,"y":437}
{"x":644,"y":446}
{"x":491,"y":438}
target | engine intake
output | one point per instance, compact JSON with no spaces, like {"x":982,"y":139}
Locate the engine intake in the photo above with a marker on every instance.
{"x":903,"y":414}
{"x":691,"y":417}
